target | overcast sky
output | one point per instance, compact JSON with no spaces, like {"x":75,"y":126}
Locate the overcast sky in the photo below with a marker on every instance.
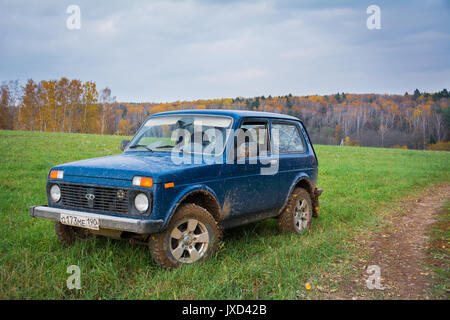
{"x":184,"y":50}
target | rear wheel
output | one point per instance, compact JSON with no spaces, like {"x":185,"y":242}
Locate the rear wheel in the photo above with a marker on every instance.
{"x":191,"y":236}
{"x":297,"y":215}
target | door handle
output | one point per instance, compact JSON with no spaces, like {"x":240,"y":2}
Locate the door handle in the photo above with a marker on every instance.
{"x":273,"y":162}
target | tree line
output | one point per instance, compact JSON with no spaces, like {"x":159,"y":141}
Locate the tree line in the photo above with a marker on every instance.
{"x":57,"y":105}
{"x":420,"y":120}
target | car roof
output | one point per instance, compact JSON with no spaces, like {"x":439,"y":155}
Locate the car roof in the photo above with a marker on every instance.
{"x":237,"y":114}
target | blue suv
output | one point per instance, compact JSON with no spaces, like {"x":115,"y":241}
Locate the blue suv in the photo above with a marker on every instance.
{"x":183,"y":178}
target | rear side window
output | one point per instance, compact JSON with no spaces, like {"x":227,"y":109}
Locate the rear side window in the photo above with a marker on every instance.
{"x":289,"y":138}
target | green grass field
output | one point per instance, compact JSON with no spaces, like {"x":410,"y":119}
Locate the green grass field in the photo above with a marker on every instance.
{"x":253,"y":262}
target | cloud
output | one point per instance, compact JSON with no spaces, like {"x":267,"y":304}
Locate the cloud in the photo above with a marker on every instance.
{"x":181,"y":50}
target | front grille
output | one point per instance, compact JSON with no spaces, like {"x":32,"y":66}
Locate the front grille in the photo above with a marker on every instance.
{"x":105,"y":199}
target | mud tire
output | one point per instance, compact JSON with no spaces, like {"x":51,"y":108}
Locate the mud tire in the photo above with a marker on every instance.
{"x":66,"y":234}
{"x":160,"y":243}
{"x":286,"y":220}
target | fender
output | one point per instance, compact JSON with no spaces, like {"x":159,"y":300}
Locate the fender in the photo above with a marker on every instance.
{"x":192,"y":189}
{"x":301,"y":176}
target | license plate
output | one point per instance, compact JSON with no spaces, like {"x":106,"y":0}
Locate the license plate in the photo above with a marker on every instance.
{"x":79,"y":221}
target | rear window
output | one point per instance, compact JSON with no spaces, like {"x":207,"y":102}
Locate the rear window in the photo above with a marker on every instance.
{"x":289,"y":138}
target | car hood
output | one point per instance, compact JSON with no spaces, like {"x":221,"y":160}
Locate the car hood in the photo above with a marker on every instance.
{"x":127,"y":165}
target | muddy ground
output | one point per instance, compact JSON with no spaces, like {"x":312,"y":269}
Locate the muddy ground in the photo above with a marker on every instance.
{"x":400,"y":250}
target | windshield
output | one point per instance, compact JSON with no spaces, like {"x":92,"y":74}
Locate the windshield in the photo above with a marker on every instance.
{"x":183,"y":133}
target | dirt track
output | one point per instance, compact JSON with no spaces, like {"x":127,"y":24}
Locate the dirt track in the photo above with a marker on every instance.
{"x":400,"y":250}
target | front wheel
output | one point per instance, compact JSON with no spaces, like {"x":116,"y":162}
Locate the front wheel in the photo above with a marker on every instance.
{"x":297,"y":215}
{"x":191,"y":236}
{"x":67,"y":235}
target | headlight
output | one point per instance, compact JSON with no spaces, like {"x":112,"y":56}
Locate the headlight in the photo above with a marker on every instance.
{"x":141,"y":202}
{"x":55,"y":193}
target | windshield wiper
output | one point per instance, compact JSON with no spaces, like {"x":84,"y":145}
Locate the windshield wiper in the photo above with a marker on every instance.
{"x":140,"y":146}
{"x":165,"y":146}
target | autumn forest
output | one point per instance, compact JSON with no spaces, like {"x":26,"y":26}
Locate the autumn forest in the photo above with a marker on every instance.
{"x":416,"y":120}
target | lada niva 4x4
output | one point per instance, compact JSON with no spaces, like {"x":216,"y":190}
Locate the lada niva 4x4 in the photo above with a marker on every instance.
{"x":183,"y":178}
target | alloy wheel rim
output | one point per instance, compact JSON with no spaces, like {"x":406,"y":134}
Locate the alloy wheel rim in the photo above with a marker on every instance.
{"x":189,"y":241}
{"x":301,"y":215}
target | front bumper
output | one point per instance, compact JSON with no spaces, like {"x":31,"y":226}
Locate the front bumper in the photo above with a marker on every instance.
{"x":106,"y":221}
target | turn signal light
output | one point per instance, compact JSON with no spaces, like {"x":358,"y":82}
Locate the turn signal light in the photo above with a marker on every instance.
{"x":56,"y":174}
{"x":143,"y":182}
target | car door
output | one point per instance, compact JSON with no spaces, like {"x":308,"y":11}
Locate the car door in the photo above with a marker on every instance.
{"x":294,"y":156}
{"x":248,"y":187}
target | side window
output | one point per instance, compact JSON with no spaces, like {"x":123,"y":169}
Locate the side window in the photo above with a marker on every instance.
{"x":289,"y":138}
{"x":252,"y":139}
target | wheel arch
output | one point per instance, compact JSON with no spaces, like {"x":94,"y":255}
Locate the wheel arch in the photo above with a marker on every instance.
{"x":302,"y":181}
{"x":200,"y":195}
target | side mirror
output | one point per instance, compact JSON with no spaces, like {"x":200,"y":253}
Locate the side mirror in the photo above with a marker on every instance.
{"x":124,"y":144}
